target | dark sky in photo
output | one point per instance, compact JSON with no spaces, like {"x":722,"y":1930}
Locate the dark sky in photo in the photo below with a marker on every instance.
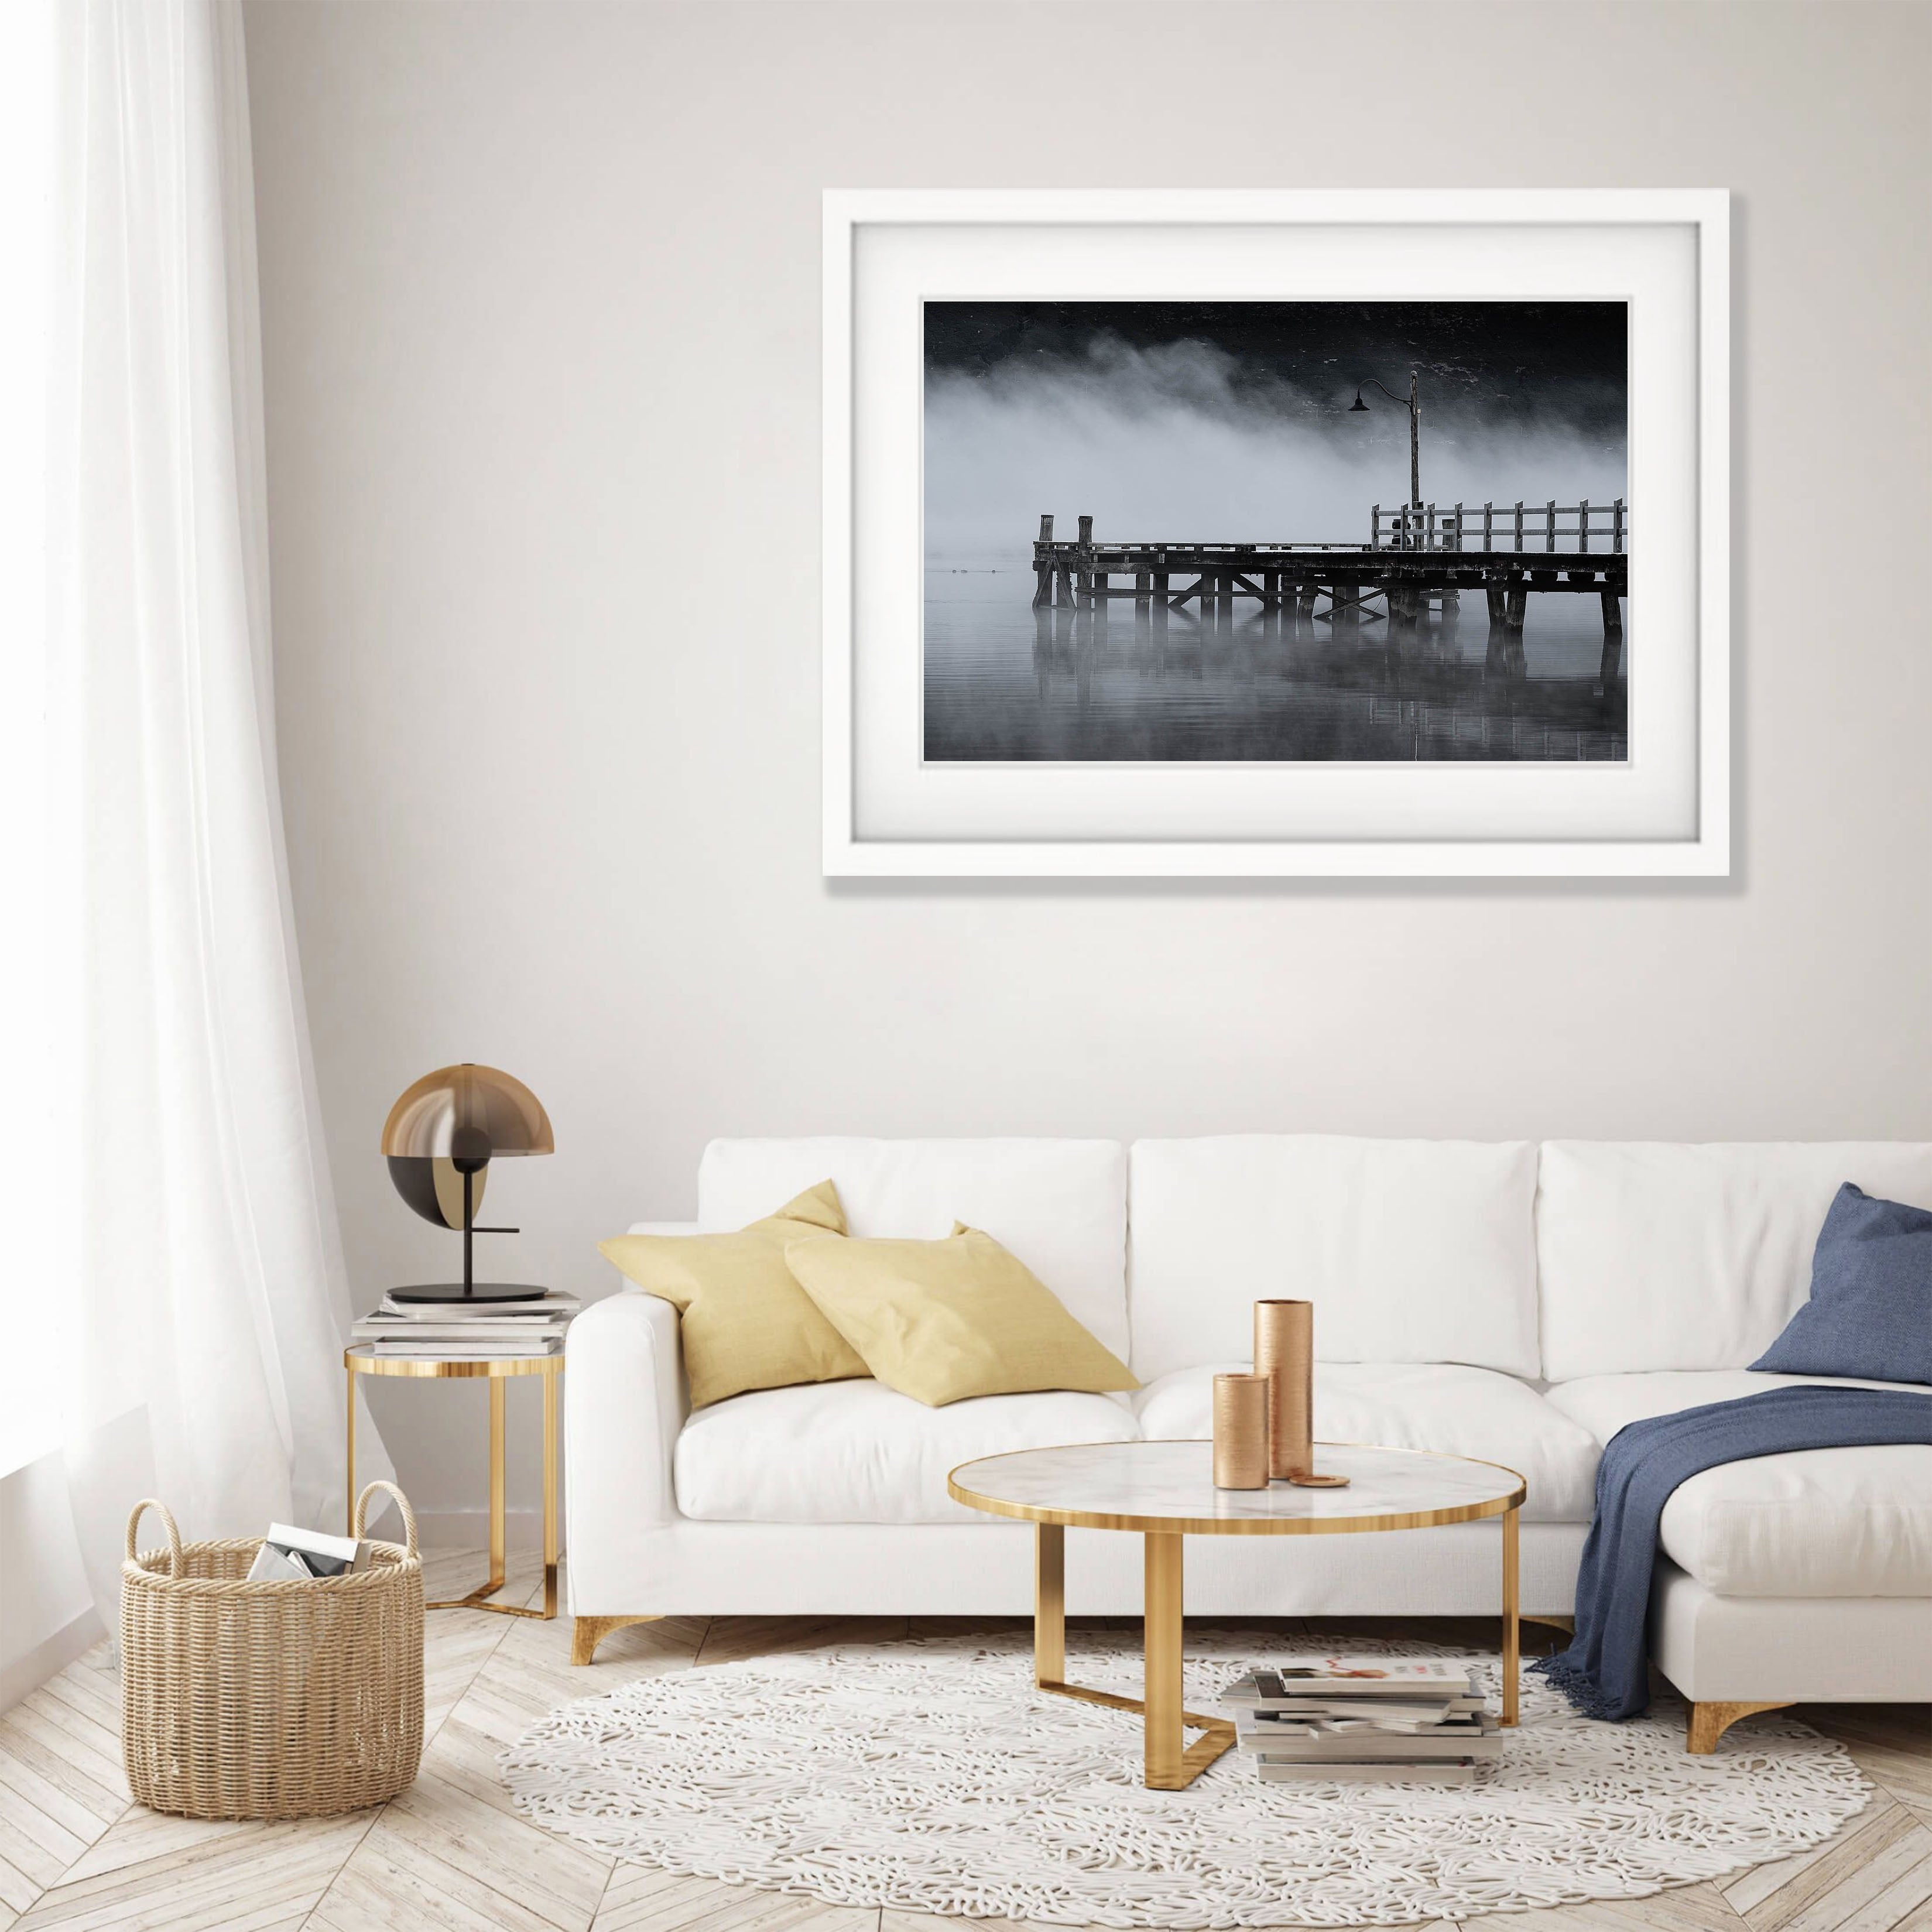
{"x":1523,"y":363}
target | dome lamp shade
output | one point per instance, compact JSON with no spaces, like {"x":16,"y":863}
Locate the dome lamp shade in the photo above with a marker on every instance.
{"x":441,"y":1135}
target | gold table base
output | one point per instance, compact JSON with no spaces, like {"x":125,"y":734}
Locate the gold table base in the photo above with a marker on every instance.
{"x":360,"y":1361}
{"x":1171,"y":1763}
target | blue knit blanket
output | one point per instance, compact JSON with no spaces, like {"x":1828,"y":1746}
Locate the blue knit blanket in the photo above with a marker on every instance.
{"x":1603,"y":1672}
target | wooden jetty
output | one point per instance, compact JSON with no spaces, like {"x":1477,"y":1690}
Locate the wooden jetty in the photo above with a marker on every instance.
{"x":1419,"y":555}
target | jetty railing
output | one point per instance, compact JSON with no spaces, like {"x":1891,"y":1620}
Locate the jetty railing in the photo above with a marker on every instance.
{"x":1550,"y":527}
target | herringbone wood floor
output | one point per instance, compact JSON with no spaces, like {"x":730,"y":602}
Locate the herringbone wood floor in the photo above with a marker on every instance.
{"x":450,"y":1852}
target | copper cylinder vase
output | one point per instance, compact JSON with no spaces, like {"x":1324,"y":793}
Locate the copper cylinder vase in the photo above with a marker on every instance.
{"x":1241,"y":1432}
{"x":1285,"y":1354}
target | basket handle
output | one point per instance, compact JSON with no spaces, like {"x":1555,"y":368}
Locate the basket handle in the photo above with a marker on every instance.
{"x":402,"y":1503}
{"x":167,"y":1523}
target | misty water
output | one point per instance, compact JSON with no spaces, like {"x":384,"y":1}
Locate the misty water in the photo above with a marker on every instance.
{"x":1003,"y":681}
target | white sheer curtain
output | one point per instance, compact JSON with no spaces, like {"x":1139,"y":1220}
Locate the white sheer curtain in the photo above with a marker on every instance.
{"x":203,"y":1268}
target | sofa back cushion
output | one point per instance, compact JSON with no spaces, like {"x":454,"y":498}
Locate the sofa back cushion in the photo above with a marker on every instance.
{"x":1060,"y":1205}
{"x":1411,"y":1251}
{"x":1656,"y":1256}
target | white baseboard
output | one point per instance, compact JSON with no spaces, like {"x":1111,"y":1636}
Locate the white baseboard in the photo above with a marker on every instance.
{"x":469,"y":1528}
{"x":25,"y":1674}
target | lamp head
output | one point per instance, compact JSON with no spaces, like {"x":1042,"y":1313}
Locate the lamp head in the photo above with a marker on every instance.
{"x":454,"y":1123}
{"x":1357,"y":404}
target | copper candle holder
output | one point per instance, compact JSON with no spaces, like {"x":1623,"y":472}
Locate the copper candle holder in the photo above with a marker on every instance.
{"x":1241,"y":1432}
{"x":1285,"y":1355}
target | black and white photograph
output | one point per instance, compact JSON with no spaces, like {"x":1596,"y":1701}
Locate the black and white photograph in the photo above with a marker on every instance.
{"x":1276,"y":531}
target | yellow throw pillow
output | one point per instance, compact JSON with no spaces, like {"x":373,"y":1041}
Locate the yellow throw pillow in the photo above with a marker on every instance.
{"x":941,"y":1321}
{"x":745,"y":1322}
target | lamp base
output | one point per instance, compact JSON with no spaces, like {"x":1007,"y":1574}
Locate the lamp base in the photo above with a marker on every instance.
{"x":453,"y":1292}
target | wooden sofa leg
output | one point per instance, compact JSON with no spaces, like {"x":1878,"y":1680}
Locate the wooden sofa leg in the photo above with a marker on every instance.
{"x":1709,"y":1722}
{"x":589,"y":1632}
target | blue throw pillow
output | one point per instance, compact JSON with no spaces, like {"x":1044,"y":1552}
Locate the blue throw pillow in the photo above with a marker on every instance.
{"x":1870,"y":1310}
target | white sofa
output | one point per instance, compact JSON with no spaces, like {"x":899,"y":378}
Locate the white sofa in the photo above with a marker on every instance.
{"x":1506,"y":1300}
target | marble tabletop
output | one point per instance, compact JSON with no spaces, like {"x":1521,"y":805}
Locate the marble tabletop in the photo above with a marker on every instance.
{"x":1169,"y":1486}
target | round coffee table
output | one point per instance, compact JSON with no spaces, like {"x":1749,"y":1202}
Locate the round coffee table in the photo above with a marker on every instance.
{"x":1165,"y":1490}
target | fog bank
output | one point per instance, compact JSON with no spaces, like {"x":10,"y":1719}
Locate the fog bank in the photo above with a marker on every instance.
{"x":1185,"y":441}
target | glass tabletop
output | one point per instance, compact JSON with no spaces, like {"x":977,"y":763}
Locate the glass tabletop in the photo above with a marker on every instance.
{"x":1169,"y":1486}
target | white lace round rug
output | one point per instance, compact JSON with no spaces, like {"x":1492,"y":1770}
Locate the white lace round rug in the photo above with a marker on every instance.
{"x":930,"y":1776}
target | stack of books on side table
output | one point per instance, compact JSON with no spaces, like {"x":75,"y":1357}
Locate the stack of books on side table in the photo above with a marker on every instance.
{"x":474,"y":1331}
{"x":1413,"y":1721}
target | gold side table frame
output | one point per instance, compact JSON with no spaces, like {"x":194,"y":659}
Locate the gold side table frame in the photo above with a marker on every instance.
{"x":1172,"y":1763}
{"x":363,"y":1361}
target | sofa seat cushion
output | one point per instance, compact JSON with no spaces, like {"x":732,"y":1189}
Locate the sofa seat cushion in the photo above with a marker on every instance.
{"x":860,"y":1452}
{"x":1457,"y":1411}
{"x":1813,"y":1523}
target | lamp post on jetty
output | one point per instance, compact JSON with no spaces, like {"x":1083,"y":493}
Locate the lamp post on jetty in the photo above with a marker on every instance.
{"x":1415,"y":436}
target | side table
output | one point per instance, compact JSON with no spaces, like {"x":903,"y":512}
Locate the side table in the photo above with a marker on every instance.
{"x":363,"y":1360}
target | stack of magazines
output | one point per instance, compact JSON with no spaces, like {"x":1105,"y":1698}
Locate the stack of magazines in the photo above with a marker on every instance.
{"x":1407,"y":1720}
{"x":289,"y":1556}
{"x":469,"y":1331}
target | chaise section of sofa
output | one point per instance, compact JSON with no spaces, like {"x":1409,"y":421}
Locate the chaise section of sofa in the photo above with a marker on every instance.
{"x":1665,"y":1270}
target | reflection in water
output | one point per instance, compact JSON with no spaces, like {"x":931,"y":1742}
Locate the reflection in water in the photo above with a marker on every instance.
{"x":1003,"y":681}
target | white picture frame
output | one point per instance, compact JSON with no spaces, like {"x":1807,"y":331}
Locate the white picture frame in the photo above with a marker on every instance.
{"x":1664,"y":812}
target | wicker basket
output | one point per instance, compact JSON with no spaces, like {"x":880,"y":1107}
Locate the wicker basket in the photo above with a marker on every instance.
{"x":269,"y":1700}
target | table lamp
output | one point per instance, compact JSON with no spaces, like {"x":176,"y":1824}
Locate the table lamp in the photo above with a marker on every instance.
{"x":440,"y":1140}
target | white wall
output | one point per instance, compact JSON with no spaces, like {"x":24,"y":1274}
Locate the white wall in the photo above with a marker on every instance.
{"x":47,"y":1614}
{"x":540,"y":288}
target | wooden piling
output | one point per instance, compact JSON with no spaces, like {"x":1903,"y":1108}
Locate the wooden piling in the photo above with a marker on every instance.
{"x":1042,"y":571}
{"x":1613,"y":641}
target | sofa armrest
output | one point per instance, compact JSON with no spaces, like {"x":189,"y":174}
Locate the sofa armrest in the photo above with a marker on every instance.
{"x":624,"y":1406}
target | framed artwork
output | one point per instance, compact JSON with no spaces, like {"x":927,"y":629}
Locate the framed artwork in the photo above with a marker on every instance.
{"x":1260,"y":533}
